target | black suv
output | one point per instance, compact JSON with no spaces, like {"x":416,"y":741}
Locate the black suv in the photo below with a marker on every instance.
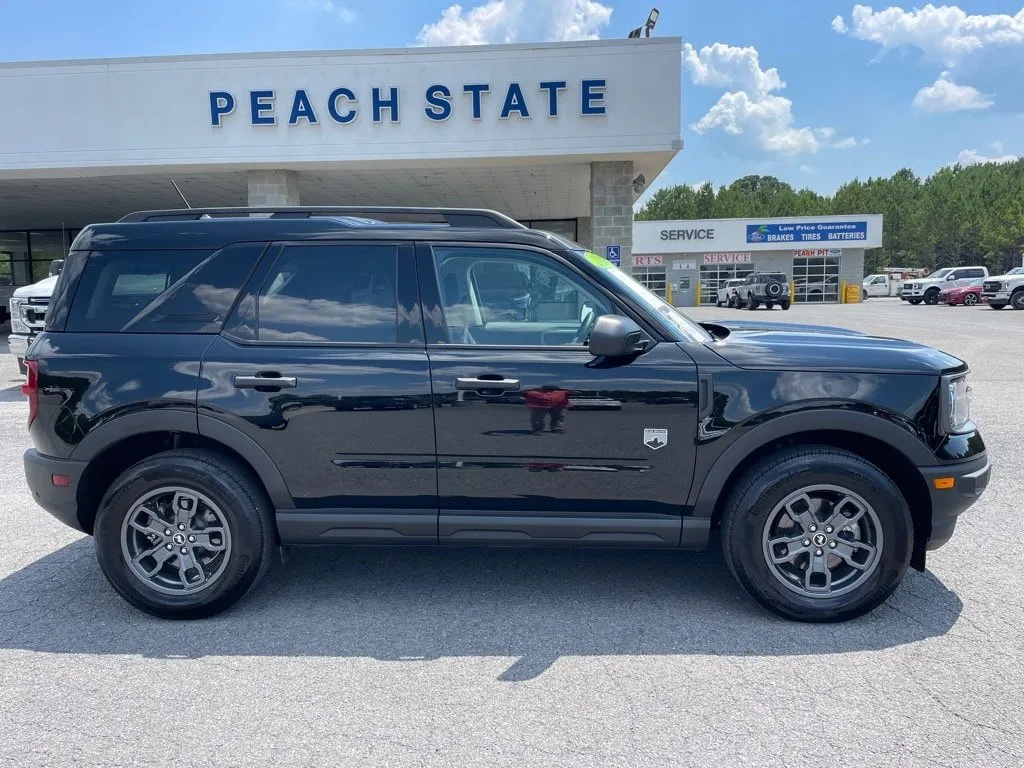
{"x":768,"y":288}
{"x":215,"y":383}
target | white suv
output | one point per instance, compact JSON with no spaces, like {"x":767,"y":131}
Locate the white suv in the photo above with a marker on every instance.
{"x":1001,"y":290}
{"x":927,"y":289}
{"x":727,"y":292}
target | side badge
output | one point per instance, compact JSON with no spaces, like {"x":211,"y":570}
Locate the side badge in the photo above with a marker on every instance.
{"x":655,"y":438}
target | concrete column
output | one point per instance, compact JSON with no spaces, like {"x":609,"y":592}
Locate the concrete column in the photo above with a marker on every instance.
{"x":585,"y":232}
{"x":270,"y":188}
{"x":611,"y":208}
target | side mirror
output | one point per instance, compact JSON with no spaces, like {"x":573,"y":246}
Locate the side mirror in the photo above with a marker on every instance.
{"x":616,"y":336}
{"x":56,"y":266}
{"x":950,"y":277}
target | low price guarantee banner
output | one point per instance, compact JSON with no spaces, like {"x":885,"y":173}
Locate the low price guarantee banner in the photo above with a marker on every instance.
{"x":807,"y":233}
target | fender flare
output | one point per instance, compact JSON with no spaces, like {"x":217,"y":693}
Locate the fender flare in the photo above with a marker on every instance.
{"x":188,"y":422}
{"x":704,"y":498}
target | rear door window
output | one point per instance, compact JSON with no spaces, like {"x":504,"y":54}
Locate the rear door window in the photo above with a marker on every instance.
{"x":160,"y":291}
{"x":342,"y":294}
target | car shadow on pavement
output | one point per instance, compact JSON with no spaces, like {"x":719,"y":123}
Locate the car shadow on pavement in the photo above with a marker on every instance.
{"x":420,"y":603}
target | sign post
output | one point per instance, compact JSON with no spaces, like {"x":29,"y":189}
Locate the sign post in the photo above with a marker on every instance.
{"x":614,"y":254}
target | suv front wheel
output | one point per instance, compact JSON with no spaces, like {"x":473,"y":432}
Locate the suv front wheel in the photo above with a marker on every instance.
{"x":817,"y":534}
{"x":184,"y":534}
{"x":931,"y":296}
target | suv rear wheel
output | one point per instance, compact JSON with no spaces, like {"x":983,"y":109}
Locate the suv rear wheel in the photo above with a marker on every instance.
{"x":184,"y":534}
{"x":817,"y":534}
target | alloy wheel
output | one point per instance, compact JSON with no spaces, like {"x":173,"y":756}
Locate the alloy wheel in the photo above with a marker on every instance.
{"x":176,"y":540}
{"x":822,"y":541}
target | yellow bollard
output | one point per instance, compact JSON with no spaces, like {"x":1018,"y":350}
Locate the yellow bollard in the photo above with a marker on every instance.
{"x":792,"y":292}
{"x":698,"y":295}
{"x":668,"y":292}
{"x":842,"y":292}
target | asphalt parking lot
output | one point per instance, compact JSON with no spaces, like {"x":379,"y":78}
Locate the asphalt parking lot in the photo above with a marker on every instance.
{"x":478,"y":657}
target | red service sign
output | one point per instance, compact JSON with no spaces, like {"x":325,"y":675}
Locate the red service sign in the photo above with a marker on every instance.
{"x":726,"y":258}
{"x":648,"y":261}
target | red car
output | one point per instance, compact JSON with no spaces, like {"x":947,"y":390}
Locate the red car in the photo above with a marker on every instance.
{"x":968,"y":294}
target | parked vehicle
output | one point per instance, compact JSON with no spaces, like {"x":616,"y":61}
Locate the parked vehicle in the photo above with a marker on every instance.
{"x":211,"y":384}
{"x":927,"y":289}
{"x":889,"y":282}
{"x":968,"y":294}
{"x":1001,"y":290}
{"x":727,"y":292}
{"x":28,"y":312}
{"x":768,"y":288}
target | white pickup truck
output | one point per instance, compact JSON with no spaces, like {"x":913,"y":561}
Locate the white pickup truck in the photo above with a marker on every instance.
{"x":28,"y":312}
{"x":927,"y":289}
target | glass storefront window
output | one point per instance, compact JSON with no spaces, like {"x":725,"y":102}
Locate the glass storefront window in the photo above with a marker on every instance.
{"x":46,"y":246}
{"x":25,"y":256}
{"x":14,"y":258}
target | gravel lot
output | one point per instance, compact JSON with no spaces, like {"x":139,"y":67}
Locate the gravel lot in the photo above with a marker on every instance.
{"x":463,"y":658}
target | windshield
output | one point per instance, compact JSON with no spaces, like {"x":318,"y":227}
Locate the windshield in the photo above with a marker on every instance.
{"x":941,"y":272}
{"x":631,"y":287}
{"x":1016,"y":271}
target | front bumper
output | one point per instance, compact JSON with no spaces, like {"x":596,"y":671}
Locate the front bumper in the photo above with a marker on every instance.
{"x":18,"y":344}
{"x":970,"y":479}
{"x":997,"y":297}
{"x":61,"y":501}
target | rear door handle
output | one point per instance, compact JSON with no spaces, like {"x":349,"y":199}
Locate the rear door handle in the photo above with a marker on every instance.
{"x":265,"y":382}
{"x":501,"y":385}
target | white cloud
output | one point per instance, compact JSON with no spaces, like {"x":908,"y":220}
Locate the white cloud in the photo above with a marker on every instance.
{"x":749,"y":109}
{"x":507,"y":21}
{"x":944,"y":95}
{"x":848,"y":143}
{"x":943,"y":32}
{"x":340,"y":12}
{"x":728,"y":66}
{"x":997,"y":146}
{"x":974,"y":157}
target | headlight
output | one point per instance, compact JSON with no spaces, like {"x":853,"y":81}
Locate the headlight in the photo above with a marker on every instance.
{"x":957,"y":406}
{"x":17,"y":325}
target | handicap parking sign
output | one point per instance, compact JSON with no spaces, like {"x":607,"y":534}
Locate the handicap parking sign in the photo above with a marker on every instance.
{"x":613,"y":253}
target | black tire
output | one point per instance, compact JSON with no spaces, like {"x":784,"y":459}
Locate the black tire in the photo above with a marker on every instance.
{"x":915,"y":302}
{"x":785,"y":304}
{"x":751,"y":303}
{"x":718,"y":303}
{"x":1017,"y":299}
{"x":22,"y":367}
{"x":731,"y":302}
{"x":971,"y":300}
{"x":247,"y":517}
{"x":768,"y":484}
{"x":997,"y":306}
{"x":931,"y":296}
{"x":774,"y":291}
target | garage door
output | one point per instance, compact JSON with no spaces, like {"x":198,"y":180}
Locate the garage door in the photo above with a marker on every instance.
{"x":816,"y":275}
{"x":713,"y":276}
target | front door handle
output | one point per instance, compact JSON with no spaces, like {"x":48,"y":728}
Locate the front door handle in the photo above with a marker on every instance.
{"x":265,"y":382}
{"x":500,"y":385}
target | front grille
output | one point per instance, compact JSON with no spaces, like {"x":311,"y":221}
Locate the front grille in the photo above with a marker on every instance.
{"x":33,"y":314}
{"x":992,"y":287}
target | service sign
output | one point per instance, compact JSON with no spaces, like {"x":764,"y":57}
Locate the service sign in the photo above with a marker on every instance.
{"x":816,"y":232}
{"x":726,"y":258}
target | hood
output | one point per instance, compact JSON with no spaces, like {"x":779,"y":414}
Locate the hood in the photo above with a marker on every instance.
{"x":767,"y":325}
{"x":41,"y":290}
{"x":805,"y":348}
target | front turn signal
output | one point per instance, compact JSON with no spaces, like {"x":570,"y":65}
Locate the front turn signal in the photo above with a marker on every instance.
{"x":944,"y":483}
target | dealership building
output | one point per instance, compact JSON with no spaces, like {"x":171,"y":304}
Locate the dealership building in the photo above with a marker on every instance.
{"x":561,"y":136}
{"x":816,"y":253}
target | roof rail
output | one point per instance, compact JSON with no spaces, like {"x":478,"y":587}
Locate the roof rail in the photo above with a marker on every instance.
{"x":453,"y":217}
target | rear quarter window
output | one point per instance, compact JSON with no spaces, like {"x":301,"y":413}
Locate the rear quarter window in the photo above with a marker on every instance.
{"x":160,"y":291}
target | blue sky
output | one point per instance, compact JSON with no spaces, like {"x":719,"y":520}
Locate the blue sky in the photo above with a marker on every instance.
{"x":813,"y":91}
